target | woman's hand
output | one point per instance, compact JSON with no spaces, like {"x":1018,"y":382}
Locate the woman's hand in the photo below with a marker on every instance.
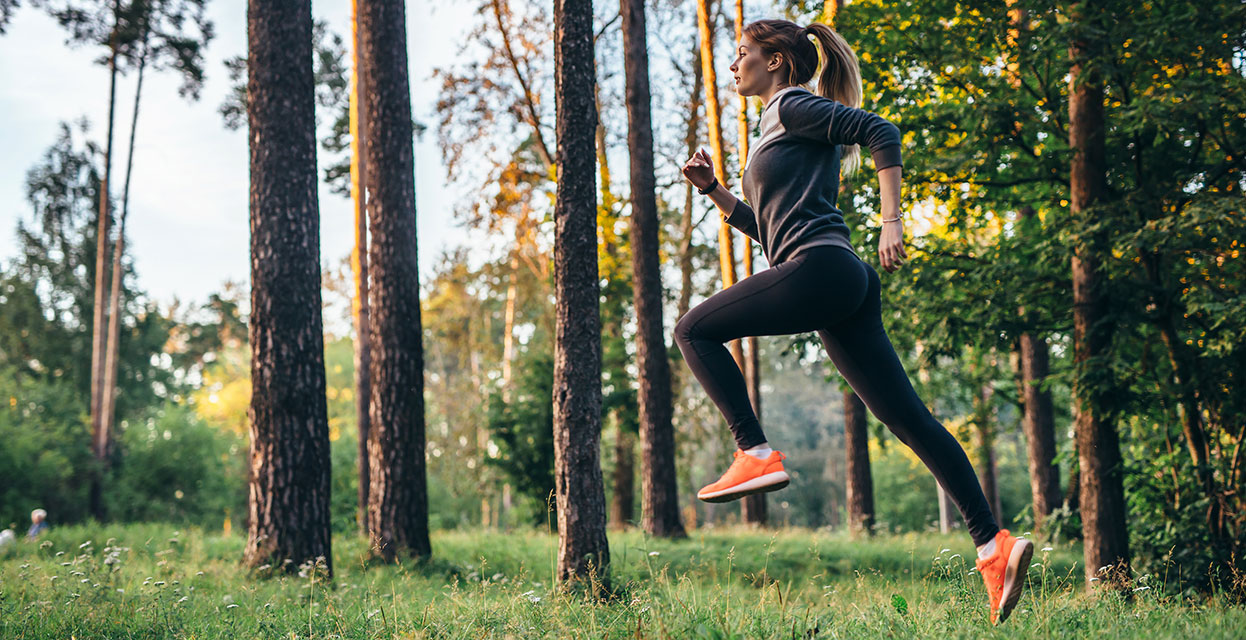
{"x":699,"y":170}
{"x":891,"y":245}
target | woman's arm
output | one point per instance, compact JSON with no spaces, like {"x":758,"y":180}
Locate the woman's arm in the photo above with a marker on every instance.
{"x":891,"y":251}
{"x":699,"y":170}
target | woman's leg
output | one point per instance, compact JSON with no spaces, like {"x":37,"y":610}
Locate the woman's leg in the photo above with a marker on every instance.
{"x":859,"y":347}
{"x":812,"y":290}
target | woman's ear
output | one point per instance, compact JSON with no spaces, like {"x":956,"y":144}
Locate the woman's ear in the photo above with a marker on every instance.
{"x":775,"y":62}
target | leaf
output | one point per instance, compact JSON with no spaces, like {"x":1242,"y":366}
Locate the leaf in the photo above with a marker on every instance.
{"x":900,"y":604}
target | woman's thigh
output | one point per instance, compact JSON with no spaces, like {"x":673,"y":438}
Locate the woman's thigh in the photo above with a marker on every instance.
{"x":819,"y":287}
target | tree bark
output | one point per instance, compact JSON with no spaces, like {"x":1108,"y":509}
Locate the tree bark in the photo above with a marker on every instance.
{"x":858,"y":480}
{"x":583,"y":551}
{"x":359,"y":266}
{"x":1105,"y":537}
{"x":289,"y":487}
{"x":397,"y":492}
{"x":659,"y":495}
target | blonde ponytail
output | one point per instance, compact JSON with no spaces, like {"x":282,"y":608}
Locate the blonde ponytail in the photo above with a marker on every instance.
{"x":840,"y":80}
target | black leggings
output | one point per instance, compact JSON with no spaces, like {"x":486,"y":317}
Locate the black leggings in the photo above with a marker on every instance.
{"x":831,"y":291}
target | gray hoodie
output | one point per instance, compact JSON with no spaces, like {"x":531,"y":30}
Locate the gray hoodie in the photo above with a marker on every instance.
{"x":792,"y":175}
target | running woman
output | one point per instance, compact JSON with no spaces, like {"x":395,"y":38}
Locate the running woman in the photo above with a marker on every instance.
{"x":817,"y":282}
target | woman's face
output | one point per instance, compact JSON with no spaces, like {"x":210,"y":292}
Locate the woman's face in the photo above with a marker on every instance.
{"x":750,"y":68}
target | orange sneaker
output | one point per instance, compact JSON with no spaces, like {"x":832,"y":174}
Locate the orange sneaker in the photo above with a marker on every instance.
{"x":1004,"y":573}
{"x":747,"y":475}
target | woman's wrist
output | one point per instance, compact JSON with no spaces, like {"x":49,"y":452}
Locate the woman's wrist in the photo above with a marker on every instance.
{"x":709,"y":189}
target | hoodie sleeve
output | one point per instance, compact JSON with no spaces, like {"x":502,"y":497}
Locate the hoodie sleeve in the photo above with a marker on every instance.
{"x":811,"y":116}
{"x":743,"y":218}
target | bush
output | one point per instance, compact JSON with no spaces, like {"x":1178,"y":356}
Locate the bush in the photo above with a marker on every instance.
{"x":171,"y":466}
{"x":45,"y":460}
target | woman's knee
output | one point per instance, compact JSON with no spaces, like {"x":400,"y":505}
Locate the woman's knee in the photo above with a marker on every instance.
{"x":685,"y":327}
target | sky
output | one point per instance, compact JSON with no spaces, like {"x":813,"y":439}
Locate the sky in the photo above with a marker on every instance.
{"x":188,"y":228}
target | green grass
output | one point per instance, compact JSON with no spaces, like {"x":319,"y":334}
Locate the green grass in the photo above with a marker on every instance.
{"x":151,"y":581}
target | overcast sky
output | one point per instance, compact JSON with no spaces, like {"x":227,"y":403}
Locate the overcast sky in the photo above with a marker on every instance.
{"x":188,"y":223}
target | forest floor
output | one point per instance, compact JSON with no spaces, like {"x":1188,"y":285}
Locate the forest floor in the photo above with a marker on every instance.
{"x":154,"y":581}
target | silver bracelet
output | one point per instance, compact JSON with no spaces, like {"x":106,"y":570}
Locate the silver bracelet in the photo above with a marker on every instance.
{"x":891,"y":219}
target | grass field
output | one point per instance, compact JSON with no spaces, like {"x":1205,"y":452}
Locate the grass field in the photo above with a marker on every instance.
{"x":153,"y":581}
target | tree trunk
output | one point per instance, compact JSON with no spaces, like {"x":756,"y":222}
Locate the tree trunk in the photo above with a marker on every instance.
{"x":660,"y":499}
{"x":99,"y":327}
{"x":622,"y":512}
{"x":359,"y":266}
{"x":583,"y":551}
{"x":1037,"y":421}
{"x":1105,"y":537}
{"x":289,"y":487}
{"x":397,"y":492}
{"x":112,"y":350}
{"x":859,"y":482}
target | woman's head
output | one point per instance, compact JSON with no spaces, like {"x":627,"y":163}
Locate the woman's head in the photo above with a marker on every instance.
{"x":778,"y":53}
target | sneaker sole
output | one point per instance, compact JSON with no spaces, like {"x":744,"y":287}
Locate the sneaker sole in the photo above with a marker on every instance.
{"x":761,"y":484}
{"x":1014,"y":576}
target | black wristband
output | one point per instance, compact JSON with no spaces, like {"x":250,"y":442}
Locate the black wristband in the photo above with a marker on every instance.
{"x":713,"y":185}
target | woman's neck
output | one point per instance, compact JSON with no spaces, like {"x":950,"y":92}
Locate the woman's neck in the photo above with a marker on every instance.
{"x":768,"y":95}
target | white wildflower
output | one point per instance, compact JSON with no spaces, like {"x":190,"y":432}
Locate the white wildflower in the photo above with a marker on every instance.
{"x":654,"y":553}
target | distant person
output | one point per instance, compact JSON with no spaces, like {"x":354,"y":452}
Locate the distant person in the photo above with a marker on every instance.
{"x":816,"y":281}
{"x":38,"y":523}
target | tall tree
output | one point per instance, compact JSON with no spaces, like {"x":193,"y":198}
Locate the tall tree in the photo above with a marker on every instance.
{"x":289,"y":485}
{"x":108,"y":389}
{"x":359,"y":264}
{"x":713,"y":116}
{"x":583,"y":550}
{"x":398,"y":497}
{"x":1102,"y":502}
{"x":1037,"y":419}
{"x":168,"y":34}
{"x":660,"y":498}
{"x":1037,"y":422}
{"x":99,"y":332}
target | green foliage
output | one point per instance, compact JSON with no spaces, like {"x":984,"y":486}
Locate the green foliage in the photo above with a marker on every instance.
{"x":523,"y":429}
{"x":171,"y":466}
{"x":45,"y":457}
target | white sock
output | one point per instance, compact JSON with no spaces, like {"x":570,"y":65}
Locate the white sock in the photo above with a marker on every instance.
{"x":761,"y":451}
{"x":987,"y":550}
